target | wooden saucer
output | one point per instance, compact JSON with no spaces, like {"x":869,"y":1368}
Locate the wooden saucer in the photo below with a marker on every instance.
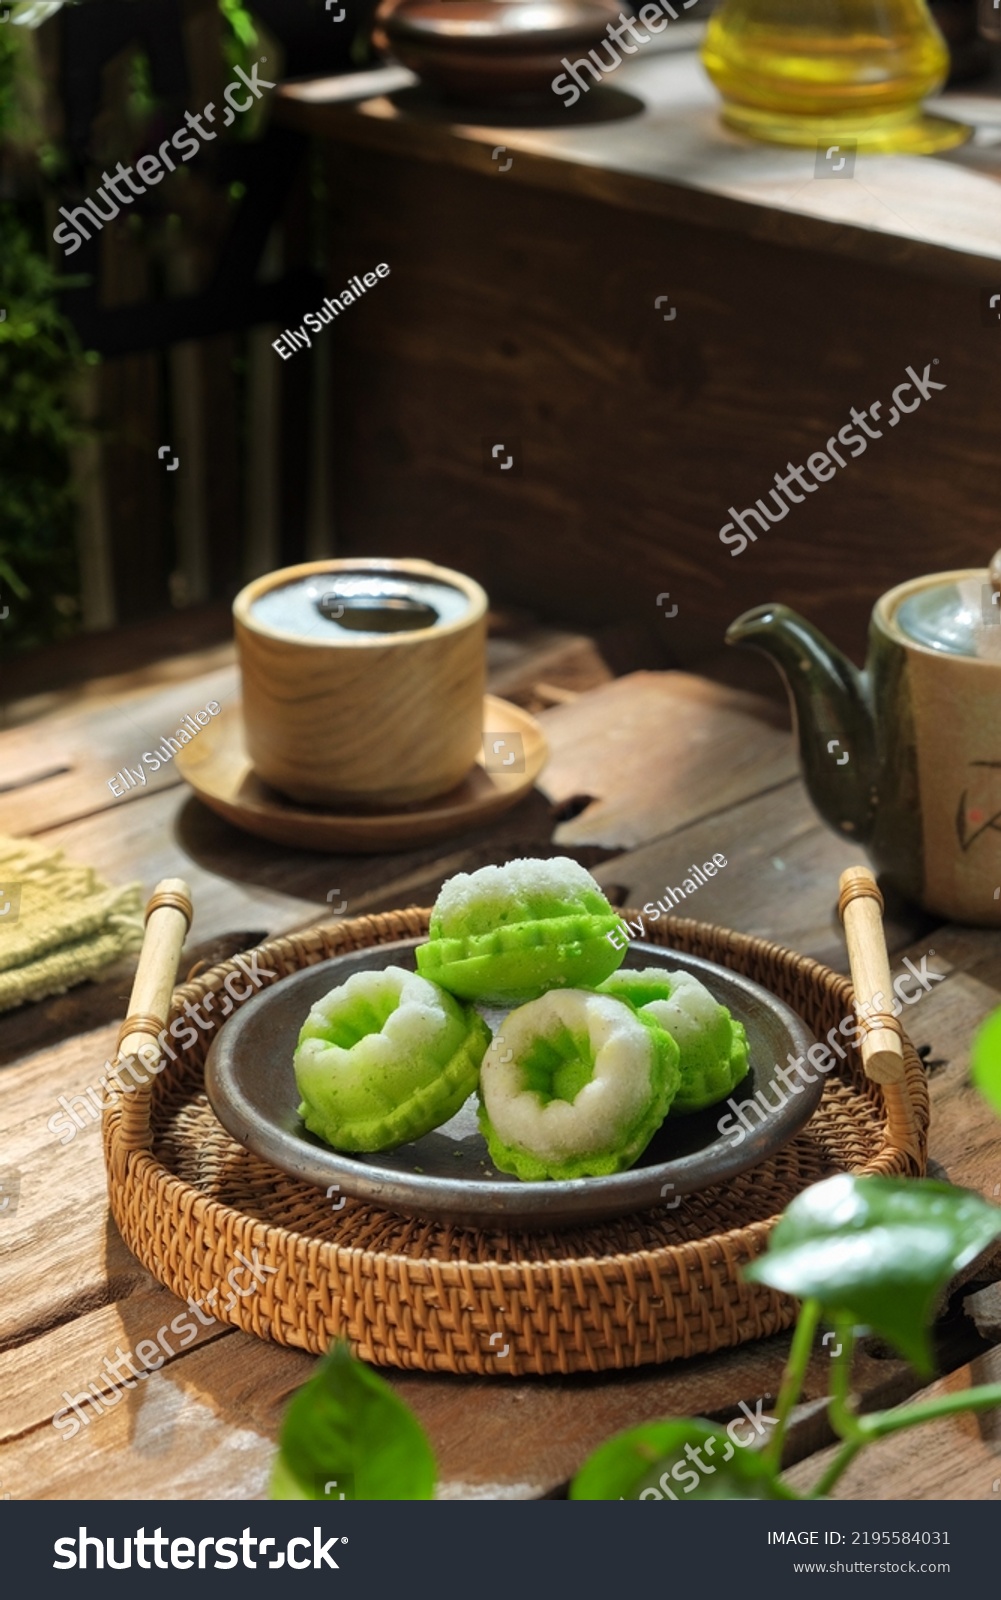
{"x":218,"y":768}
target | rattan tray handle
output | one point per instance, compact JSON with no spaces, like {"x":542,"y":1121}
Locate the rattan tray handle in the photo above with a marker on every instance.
{"x":882,"y":1046}
{"x":168,"y":918}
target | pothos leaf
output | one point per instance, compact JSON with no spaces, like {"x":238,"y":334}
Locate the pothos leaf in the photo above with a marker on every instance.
{"x":678,"y":1460}
{"x":986,"y":1061}
{"x":347,"y":1436}
{"x":878,"y":1250}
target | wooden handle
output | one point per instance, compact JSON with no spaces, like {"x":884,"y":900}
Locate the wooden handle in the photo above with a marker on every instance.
{"x":861,"y":910}
{"x":168,"y":918}
{"x":882,"y":1045}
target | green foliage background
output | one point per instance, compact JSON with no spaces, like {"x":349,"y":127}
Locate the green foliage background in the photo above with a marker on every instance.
{"x":40,"y":365}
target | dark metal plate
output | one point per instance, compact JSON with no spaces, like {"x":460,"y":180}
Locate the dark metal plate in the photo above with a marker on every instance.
{"x":447,"y":1174}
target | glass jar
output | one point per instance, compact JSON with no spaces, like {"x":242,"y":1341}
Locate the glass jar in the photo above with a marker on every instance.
{"x":811,"y":71}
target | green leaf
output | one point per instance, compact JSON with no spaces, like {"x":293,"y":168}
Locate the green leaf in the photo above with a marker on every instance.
{"x":346,"y":1435}
{"x":32,"y":13}
{"x":986,"y":1061}
{"x":878,"y":1250}
{"x":8,"y":574}
{"x":650,"y":1463}
{"x":240,"y":20}
{"x":40,"y":424}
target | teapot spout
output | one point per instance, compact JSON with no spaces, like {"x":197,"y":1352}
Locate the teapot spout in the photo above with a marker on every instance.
{"x":832,"y":715}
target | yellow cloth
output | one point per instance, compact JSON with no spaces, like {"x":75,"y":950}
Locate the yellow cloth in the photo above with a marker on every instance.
{"x":61,"y":923}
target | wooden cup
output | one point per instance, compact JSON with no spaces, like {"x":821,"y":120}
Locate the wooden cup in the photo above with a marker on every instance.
{"x":340,"y":718}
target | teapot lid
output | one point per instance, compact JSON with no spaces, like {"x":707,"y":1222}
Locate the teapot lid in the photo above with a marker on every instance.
{"x":960,"y":616}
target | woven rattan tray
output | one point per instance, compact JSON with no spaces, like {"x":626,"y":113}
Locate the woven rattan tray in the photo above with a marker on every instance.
{"x":653,"y":1287}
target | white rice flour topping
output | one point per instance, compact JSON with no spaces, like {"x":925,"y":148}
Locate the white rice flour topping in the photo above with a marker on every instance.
{"x":690,"y":1011}
{"x":419,"y":1018}
{"x":560,"y":877}
{"x":616,"y":1097}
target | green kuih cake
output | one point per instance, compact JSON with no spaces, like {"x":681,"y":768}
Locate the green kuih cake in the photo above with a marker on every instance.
{"x":508,"y":934}
{"x":713,"y":1046}
{"x":575,"y":1085}
{"x":385,"y":1058}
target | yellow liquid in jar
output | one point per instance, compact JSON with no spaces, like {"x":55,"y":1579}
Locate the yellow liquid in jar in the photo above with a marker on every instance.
{"x":796,"y":71}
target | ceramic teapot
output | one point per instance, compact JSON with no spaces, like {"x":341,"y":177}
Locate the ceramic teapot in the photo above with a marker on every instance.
{"x":905,"y":756}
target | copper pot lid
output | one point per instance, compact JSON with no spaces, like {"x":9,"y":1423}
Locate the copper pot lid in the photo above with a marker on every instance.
{"x":496,"y":25}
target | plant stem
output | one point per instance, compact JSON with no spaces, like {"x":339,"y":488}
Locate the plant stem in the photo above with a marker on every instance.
{"x":792,"y":1381}
{"x":843,"y":1419}
{"x":862,"y":1431}
{"x":887,"y":1422}
{"x":845,"y":1456}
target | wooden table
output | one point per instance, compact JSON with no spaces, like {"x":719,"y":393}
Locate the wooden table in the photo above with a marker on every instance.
{"x":647,"y":773}
{"x":527,"y":257}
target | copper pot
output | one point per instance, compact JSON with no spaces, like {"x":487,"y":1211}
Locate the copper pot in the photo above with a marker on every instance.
{"x":492,"y":50}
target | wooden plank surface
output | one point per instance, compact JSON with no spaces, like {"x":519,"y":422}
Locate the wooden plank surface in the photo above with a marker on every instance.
{"x":651,"y":139}
{"x":672,"y":749}
{"x":88,"y":746}
{"x":204,"y":1425}
{"x":780,"y":880}
{"x":954,"y":1458}
{"x":57,"y":757}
